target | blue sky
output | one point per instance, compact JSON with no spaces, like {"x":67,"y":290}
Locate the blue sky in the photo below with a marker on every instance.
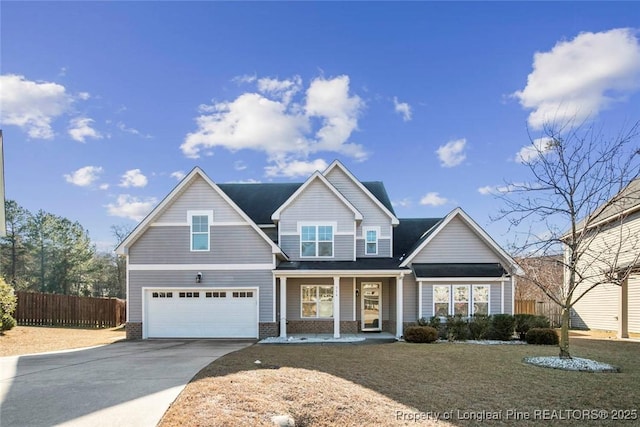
{"x":105,"y":105}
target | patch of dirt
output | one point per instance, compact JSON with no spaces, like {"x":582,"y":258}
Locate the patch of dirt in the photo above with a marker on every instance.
{"x":311,"y":398}
{"x":39,"y":339}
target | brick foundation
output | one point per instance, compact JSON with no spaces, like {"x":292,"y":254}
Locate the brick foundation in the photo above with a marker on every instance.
{"x":320,"y":327}
{"x":134,"y":331}
{"x":389,"y":326}
{"x":268,"y":329}
{"x":349,"y":327}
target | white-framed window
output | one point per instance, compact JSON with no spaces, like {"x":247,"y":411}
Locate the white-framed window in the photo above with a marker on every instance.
{"x":200,"y":225}
{"x":480,"y":299}
{"x":316,"y":301}
{"x":465,"y":300}
{"x":316,"y":240}
{"x":371,"y":235}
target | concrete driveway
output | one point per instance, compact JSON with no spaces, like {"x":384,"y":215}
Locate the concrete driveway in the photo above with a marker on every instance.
{"x":121,"y":384}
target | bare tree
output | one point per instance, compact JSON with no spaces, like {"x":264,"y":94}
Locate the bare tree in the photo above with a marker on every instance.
{"x":120,"y":232}
{"x":576,"y":205}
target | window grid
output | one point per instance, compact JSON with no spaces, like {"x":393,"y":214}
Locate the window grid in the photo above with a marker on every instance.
{"x":316,"y":241}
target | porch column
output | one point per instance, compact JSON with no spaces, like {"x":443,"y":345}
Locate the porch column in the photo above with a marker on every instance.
{"x":399,"y":305}
{"x":283,"y":307}
{"x":623,"y":310}
{"x":336,"y":307}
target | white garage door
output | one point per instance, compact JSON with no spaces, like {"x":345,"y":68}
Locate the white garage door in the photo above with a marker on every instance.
{"x":201,"y":313}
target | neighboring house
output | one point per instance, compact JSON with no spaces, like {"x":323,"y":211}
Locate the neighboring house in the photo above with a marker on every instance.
{"x":615,"y":245}
{"x":325,"y":256}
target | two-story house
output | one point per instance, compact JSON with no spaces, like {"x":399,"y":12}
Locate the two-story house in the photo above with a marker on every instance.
{"x":325,"y":256}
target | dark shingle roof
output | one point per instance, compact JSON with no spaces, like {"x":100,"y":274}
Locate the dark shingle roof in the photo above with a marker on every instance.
{"x":458,"y":270}
{"x":410,"y":233}
{"x":260,"y":201}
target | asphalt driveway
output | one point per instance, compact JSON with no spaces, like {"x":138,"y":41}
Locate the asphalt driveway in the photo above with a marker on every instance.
{"x":121,"y":384}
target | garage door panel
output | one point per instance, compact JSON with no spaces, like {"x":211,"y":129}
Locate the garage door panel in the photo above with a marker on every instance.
{"x":204,"y":316}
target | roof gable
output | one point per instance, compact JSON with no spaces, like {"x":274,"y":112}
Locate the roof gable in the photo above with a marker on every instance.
{"x":431,"y":234}
{"x":388,"y":210}
{"x":316,"y":177}
{"x":174,"y":195}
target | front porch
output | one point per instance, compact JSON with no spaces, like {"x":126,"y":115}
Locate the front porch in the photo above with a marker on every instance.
{"x":334,"y":304}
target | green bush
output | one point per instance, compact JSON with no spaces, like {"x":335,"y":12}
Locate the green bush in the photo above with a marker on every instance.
{"x":423,"y":322}
{"x":457,"y":328}
{"x":479,"y":326}
{"x":502,"y":327}
{"x":524,"y":322}
{"x":420,"y":334}
{"x":542,"y":336}
{"x":437,"y":324}
{"x":7,"y":306}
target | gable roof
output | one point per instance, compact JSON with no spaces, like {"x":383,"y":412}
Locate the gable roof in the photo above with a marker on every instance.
{"x":365,"y":190}
{"x":316,"y":176}
{"x":175,"y":193}
{"x":410,"y":232}
{"x":459,"y":213}
{"x":623,"y":203}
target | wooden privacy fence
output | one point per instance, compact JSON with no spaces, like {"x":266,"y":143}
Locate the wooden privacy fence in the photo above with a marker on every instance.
{"x":35,"y":309}
{"x":549,"y":309}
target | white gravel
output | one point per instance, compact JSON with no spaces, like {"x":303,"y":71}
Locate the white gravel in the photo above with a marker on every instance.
{"x":573,"y":364}
{"x":306,"y":340}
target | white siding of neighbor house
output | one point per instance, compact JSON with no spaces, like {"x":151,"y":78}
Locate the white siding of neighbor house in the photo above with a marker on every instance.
{"x":236,"y":244}
{"x":633,"y":297}
{"x":199,"y":195}
{"x":456,"y":242}
{"x":599,"y":308}
{"x":213,"y":279}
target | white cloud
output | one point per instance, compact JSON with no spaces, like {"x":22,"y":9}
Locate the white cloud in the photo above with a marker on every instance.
{"x":580,"y":77}
{"x":294,"y":168}
{"x":80,"y":129}
{"x":84,"y":95}
{"x":127,"y":206}
{"x":272,"y":122}
{"x":84,"y":177}
{"x":537,"y":148}
{"x":403,"y":109}
{"x":452,"y":153}
{"x":404,"y":203}
{"x":433,"y":199}
{"x":104,"y":186}
{"x":506,"y":188}
{"x":239,"y":165}
{"x":178,"y":175}
{"x":31,"y":105}
{"x":132,"y":131}
{"x":246,"y":78}
{"x":133,"y":178}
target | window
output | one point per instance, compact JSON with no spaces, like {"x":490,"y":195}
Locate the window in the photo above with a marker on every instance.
{"x":370,"y":240}
{"x":441,"y":301}
{"x":189,"y":294}
{"x":200,"y":222}
{"x":464,"y":300}
{"x":317,"y":301}
{"x":243,"y":294}
{"x":481,"y":299}
{"x":162,"y":294}
{"x":316,"y":241}
{"x":215,"y":294}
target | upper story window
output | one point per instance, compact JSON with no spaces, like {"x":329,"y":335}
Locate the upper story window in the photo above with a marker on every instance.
{"x":316,"y":240}
{"x":370,"y":240}
{"x":200,"y":223}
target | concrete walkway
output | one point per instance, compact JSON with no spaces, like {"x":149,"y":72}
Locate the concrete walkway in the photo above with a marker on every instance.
{"x":121,"y":384}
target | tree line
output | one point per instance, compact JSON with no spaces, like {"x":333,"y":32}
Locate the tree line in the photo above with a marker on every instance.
{"x":44,"y":252}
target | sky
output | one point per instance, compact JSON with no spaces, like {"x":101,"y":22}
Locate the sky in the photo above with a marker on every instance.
{"x":104,"y":106}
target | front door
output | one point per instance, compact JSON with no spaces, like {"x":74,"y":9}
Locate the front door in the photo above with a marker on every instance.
{"x":371,"y":305}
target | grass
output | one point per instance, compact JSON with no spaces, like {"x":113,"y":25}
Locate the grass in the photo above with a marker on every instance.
{"x":38,"y":339}
{"x":367,"y":384}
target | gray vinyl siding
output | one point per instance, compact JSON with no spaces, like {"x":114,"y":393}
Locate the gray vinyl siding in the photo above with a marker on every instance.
{"x":495,"y":297}
{"x":346,"y":298}
{"x":456,"y":243}
{"x":199,"y":195}
{"x":427,"y":300}
{"x":229,"y":244}
{"x":633,"y":299}
{"x":342,"y":248}
{"x":508,"y":298}
{"x":392,"y":299}
{"x":317,"y":203}
{"x":214,"y":279}
{"x":410,"y":299}
{"x":384,"y":249}
{"x":372,"y":214}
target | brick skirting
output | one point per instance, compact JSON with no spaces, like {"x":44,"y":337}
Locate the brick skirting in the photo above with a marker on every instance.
{"x":320,"y":327}
{"x":134,"y":331}
{"x":268,"y":329}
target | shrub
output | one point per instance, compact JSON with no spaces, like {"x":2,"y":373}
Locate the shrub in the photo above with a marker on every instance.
{"x":437,"y":324}
{"x":479,"y":326}
{"x":542,"y":336}
{"x":457,"y":328}
{"x":524,"y":322}
{"x":502,"y":327}
{"x":7,"y":306}
{"x":420,"y":334}
{"x":422,"y":322}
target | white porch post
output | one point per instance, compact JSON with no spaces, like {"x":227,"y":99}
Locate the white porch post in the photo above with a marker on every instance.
{"x":336,"y":307}
{"x":399,"y":305}
{"x":283,"y":307}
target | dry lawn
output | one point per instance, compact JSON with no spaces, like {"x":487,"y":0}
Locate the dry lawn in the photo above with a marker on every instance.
{"x":38,"y":339}
{"x":348,"y":385}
